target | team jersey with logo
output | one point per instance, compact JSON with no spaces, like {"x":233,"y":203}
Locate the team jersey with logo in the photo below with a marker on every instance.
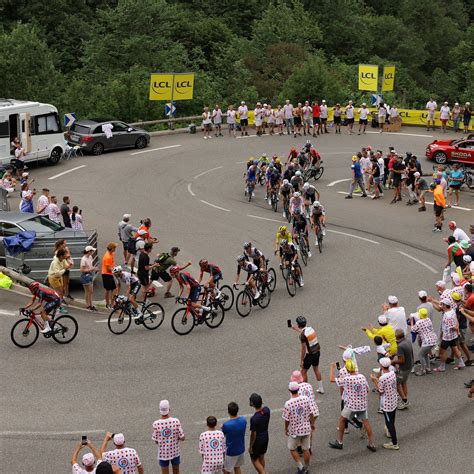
{"x":355,"y":391}
{"x":212,"y":447}
{"x":166,"y":432}
{"x":126,"y":459}
{"x":297,"y":412}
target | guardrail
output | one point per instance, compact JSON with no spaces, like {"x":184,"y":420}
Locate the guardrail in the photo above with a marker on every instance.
{"x":168,"y":121}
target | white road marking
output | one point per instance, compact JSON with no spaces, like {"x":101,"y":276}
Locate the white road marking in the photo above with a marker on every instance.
{"x":405,"y":134}
{"x":50,"y":433}
{"x":431,"y":269}
{"x":189,"y":190}
{"x":355,"y":192}
{"x":213,"y":205}
{"x":7,"y":313}
{"x":266,"y":219}
{"x":353,"y":236}
{"x":249,"y":136}
{"x":208,"y":171}
{"x":333,"y":183}
{"x":240,"y":162}
{"x":155,"y":149}
{"x":68,"y":171}
{"x":453,"y":207}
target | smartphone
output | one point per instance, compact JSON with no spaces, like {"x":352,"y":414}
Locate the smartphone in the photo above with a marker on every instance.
{"x":338,"y":366}
{"x":289,"y":323}
{"x":113,"y":435}
{"x":84,"y":440}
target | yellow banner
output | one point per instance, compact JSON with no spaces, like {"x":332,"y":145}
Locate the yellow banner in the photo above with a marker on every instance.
{"x":161,"y":86}
{"x":388,"y":78}
{"x":368,"y":77}
{"x":183,"y":86}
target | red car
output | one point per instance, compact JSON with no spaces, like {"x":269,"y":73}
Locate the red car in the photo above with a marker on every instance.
{"x":460,"y":150}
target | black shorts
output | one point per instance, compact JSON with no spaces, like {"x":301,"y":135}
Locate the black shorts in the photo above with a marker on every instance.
{"x":259,"y":448}
{"x":363,"y":121}
{"x":447,"y":344}
{"x":396,"y":181}
{"x":144,"y":278}
{"x":52,"y":305}
{"x":311,"y":197}
{"x":316,"y":120}
{"x":337,"y":120}
{"x":244,"y":122}
{"x":438,"y":210}
{"x":125,"y":244}
{"x":135,"y":288}
{"x":19,"y":164}
{"x":217,"y":277}
{"x":455,"y":187}
{"x":350,"y":120}
{"x":311,"y":360}
{"x":324,"y":120}
{"x":165,"y":276}
{"x":297,"y":121}
{"x":109,"y":282}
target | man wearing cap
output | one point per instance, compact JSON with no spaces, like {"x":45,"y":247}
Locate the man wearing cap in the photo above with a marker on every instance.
{"x":385,"y":331}
{"x":43,"y":203}
{"x":423,"y":326}
{"x":88,"y":460}
{"x":424,"y":303}
{"x":288,"y":116}
{"x":349,"y":117}
{"x":457,"y":232}
{"x":324,"y":117}
{"x":212,"y":447}
{"x":356,"y":392}
{"x":386,"y":385}
{"x":135,"y":245}
{"x":243,"y":117}
{"x":395,"y":314}
{"x":363,"y":118}
{"x":234,"y":429}
{"x":125,"y":233}
{"x":165,"y":261}
{"x":167,"y":434}
{"x":258,"y":443}
{"x":299,"y":416}
{"x":356,"y":179}
{"x":421,"y":187}
{"x":404,"y":360}
{"x":124,"y":458}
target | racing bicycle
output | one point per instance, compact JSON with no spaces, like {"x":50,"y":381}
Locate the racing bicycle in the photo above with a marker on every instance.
{"x":291,"y":279}
{"x":225,"y":299}
{"x":245,"y":299}
{"x":274,"y":199}
{"x":185,"y":319}
{"x":286,"y":208}
{"x":313,"y":172}
{"x":303,"y":247}
{"x":249,"y":190}
{"x":121,"y":316}
{"x":26,"y":330}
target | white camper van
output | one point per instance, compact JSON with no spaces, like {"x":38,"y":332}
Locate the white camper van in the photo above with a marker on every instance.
{"x":36,"y":125}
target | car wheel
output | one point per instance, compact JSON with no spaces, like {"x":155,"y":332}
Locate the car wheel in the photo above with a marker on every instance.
{"x":55,"y":156}
{"x":141,"y":142}
{"x":97,"y":149}
{"x":440,"y":157}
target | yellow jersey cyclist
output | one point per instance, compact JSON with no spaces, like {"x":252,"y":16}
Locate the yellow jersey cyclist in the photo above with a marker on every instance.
{"x":300,"y":225}
{"x":318,"y":219}
{"x":282,"y":234}
{"x":252,"y":274}
{"x":289,"y":257}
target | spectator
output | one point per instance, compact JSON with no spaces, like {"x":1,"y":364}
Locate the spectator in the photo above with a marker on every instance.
{"x":324,"y":117}
{"x":423,"y":327}
{"x":234,"y":431}
{"x":20,"y":156}
{"x":356,"y":178}
{"x":105,"y":467}
{"x":288,"y":115}
{"x":439,"y":204}
{"x":146,"y":225}
{"x":231,"y":120}
{"x":88,"y":459}
{"x":382,"y":116}
{"x":355,"y":403}
{"x":404,"y":360}
{"x":456,"y":178}
{"x":337,"y":113}
{"x":8,"y":182}
{"x":431,"y":107}
{"x":456,"y":114}
{"x":135,"y":245}
{"x":125,"y":233}
{"x":217,"y":120}
{"x":124,"y":458}
{"x":56,"y":271}
{"x":167,"y":434}
{"x":212,"y":447}
{"x":53,"y":210}
{"x":444,"y":116}
{"x":466,"y":116}
{"x":76,"y":219}
{"x":299,"y":417}
{"x":206,"y":122}
{"x":108,"y":280}
{"x":62,"y":244}
{"x":87,"y":269}
{"x":396,"y":316}
{"x":349,"y":117}
{"x":258,"y":443}
{"x":66,"y":212}
{"x":26,"y":204}
{"x":165,"y":261}
{"x":43,"y":203}
{"x":424,"y":303}
{"x":144,"y":267}
{"x":385,"y":331}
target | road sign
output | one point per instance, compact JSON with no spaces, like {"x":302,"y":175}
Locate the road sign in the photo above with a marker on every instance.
{"x":69,"y":119}
{"x":377,"y":98}
{"x":170,"y":109}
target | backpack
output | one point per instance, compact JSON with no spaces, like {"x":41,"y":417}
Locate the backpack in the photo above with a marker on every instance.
{"x":132,"y":246}
{"x":163,"y":256}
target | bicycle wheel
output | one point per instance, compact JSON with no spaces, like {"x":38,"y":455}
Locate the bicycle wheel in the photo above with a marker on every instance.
{"x":272,"y":279}
{"x":243,"y":304}
{"x":319,"y":172}
{"x":303,"y":250}
{"x":181,"y":322}
{"x":64,"y":329}
{"x":274,"y":202}
{"x":215,"y":317}
{"x":320,"y":241}
{"x":227,"y":297}
{"x":153,"y":315}
{"x":291,"y":283}
{"x":265,"y":297}
{"x":306,"y":175}
{"x":24,"y":335}
{"x":119,"y":321}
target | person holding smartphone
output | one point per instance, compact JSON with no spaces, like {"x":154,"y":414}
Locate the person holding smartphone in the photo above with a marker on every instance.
{"x":88,"y":459}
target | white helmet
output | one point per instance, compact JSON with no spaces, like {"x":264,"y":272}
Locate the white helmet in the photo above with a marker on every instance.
{"x":298,"y":173}
{"x":316,"y":204}
{"x":116,"y":269}
{"x":306,"y":186}
{"x":297,"y":194}
{"x":285,"y":181}
{"x":264,"y":155}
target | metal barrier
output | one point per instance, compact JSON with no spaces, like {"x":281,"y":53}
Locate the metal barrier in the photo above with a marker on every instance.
{"x":4,"y":204}
{"x":169,"y":121}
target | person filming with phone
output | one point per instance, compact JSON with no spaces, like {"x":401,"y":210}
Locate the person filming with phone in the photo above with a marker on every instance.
{"x":88,"y":459}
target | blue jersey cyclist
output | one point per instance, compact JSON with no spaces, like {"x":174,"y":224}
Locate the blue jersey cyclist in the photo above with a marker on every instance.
{"x":46,"y":299}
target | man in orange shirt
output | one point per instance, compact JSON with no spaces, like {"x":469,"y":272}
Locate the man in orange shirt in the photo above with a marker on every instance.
{"x":439,"y":204}
{"x":108,"y":279}
{"x":145,"y":225}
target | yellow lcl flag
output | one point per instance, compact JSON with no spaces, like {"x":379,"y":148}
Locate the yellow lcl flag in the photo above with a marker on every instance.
{"x":183,"y":86}
{"x":388,"y":78}
{"x":368,"y":77}
{"x":161,"y":86}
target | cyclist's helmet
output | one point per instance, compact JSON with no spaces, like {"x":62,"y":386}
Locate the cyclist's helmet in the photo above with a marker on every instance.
{"x":174,"y":270}
{"x":301,"y":321}
{"x":307,"y":144}
{"x":285,"y":182}
{"x":282,"y":228}
{"x":34,"y":286}
{"x":247,"y":245}
{"x":264,"y":155}
{"x":116,"y":269}
{"x":241,"y":258}
{"x":255,"y":162}
{"x":283,"y":242}
{"x":306,"y":186}
{"x":293,"y":150}
{"x":297,"y":194}
{"x":203,"y":263}
{"x":298,"y":173}
{"x":277,"y":160}
{"x":316,"y":204}
{"x":270,"y":166}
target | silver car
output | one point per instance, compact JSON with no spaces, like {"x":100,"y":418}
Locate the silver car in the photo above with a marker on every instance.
{"x":91,"y":136}
{"x":39,"y":257}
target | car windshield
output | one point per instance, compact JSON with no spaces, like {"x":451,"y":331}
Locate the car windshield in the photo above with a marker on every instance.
{"x":455,"y":142}
{"x":82,"y":129}
{"x":41,"y":225}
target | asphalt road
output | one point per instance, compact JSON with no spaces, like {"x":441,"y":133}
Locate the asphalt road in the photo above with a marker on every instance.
{"x":193,"y":191}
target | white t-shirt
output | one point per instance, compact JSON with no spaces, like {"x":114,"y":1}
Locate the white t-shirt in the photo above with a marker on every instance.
{"x":444,"y":112}
{"x":20,"y":154}
{"x":243,"y":112}
{"x":350,"y":112}
{"x":307,"y":110}
{"x":397,"y":318}
{"x":323,"y":111}
{"x":53,"y":212}
{"x":258,"y":116}
{"x":365,"y":163}
{"x":288,"y":111}
{"x":431,"y":106}
{"x":381,"y":164}
{"x":393,"y":112}
{"x":42,"y":205}
{"x":382,"y":112}
{"x":231,"y":116}
{"x":126,"y":459}
{"x":217,"y":116}
{"x":363,"y":113}
{"x":459,"y":235}
{"x":87,"y":261}
{"x":206,"y":118}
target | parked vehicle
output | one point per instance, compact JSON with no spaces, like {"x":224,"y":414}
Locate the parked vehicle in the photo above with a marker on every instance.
{"x":38,"y":258}
{"x":91,"y":135}
{"x":37,"y":126}
{"x":460,"y":150}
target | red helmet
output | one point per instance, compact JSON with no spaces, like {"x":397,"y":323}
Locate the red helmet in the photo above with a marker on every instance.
{"x":203,"y":263}
{"x":34,"y":287}
{"x":174,"y":269}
